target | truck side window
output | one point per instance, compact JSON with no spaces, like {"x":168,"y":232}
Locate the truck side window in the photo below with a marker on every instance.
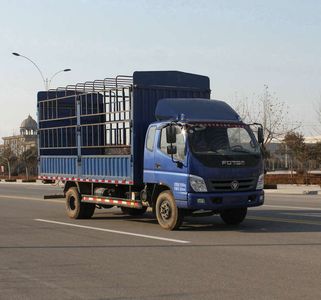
{"x":150,"y":138}
{"x":180,"y":143}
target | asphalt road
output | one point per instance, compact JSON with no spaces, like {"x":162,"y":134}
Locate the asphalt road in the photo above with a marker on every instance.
{"x":274,"y":254}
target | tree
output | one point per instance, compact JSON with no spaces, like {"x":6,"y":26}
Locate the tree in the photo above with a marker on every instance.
{"x":293,"y":145}
{"x":8,"y":157}
{"x":29,"y":160}
{"x":318,"y":109}
{"x":313,"y":153}
{"x":268,"y":110}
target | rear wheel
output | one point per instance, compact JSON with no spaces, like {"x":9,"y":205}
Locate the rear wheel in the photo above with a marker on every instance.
{"x":77,"y":209}
{"x":134,"y":211}
{"x":234,"y":216}
{"x":168,"y":215}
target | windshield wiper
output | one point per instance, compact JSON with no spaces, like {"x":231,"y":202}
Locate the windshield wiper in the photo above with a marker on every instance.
{"x":206,"y":152}
{"x":241,"y":150}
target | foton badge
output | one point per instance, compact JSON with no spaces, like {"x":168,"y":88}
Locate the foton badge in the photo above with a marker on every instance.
{"x":233,"y":163}
{"x":234,"y":185}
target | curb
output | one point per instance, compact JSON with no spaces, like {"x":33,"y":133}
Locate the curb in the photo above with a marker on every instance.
{"x":21,"y":182}
{"x":295,"y":189}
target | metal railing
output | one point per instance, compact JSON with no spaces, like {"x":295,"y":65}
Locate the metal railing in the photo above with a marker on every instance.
{"x":87,"y":116}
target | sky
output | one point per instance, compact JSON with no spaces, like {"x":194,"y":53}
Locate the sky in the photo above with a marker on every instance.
{"x":241,"y":45}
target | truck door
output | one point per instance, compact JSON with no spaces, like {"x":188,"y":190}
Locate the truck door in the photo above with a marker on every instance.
{"x":149,"y":155}
{"x":172,"y":171}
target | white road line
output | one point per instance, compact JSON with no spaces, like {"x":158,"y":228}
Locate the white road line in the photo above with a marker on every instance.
{"x":291,"y":207}
{"x":114,"y":231}
{"x":30,"y":199}
{"x":294,"y":221}
{"x":313,"y":215}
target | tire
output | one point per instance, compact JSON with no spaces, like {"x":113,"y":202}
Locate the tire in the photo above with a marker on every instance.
{"x":234,"y":216}
{"x":133,"y":211}
{"x":89,"y":210}
{"x":77,"y":209}
{"x":168,"y":215}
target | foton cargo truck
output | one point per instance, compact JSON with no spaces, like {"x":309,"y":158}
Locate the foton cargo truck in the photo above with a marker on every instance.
{"x":154,"y":139}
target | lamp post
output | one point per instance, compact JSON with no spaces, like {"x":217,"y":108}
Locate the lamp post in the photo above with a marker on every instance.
{"x":46,"y":82}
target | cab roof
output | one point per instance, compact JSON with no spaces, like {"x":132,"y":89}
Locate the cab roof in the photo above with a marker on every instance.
{"x":195,"y":109}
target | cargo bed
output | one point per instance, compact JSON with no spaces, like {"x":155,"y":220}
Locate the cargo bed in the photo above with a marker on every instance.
{"x":95,"y":131}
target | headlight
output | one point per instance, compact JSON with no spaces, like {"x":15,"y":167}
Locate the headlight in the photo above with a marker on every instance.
{"x":197,"y":183}
{"x":260,"y":182}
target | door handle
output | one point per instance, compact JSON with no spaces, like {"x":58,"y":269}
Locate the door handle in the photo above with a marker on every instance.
{"x":157,"y":166}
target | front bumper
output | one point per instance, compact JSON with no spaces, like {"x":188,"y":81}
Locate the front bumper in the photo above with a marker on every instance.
{"x":221,"y":201}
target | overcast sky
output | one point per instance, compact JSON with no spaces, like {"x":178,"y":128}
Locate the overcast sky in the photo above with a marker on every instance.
{"x":241,"y":45}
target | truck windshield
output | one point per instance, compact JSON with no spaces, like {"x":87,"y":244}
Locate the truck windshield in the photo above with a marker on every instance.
{"x":222,"y":139}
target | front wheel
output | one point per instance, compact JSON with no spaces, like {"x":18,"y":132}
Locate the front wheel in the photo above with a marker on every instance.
{"x":234,"y":216}
{"x":168,"y":215}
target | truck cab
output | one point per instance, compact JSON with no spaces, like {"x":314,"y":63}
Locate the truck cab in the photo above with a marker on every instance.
{"x":205,"y":159}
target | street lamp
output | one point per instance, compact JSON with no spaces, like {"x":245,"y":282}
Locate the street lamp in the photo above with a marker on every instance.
{"x":45,"y":80}
{"x":54,"y":75}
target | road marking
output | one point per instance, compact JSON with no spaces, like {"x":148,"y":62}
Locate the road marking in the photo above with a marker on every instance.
{"x":30,"y":199}
{"x":292,"y":207}
{"x":313,"y":215}
{"x":114,"y":231}
{"x":294,"y":221}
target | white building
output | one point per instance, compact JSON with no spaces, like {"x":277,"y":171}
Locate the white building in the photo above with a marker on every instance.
{"x":25,"y":140}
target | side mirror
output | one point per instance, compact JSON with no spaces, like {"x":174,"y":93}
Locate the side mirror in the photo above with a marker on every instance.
{"x":171,"y":134}
{"x":260,"y":135}
{"x":171,"y":150}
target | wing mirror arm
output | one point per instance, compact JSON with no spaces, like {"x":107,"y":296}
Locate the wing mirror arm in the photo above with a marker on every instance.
{"x":260,"y":132}
{"x":172,"y":149}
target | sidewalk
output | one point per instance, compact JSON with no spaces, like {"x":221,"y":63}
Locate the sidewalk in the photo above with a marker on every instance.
{"x":295,"y":189}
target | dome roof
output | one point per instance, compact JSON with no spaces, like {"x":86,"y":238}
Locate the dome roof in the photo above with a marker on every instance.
{"x":29,"y":124}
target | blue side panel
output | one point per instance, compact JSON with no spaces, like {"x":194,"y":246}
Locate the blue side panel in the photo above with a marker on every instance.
{"x":100,"y":167}
{"x":105,"y":167}
{"x":62,"y":165}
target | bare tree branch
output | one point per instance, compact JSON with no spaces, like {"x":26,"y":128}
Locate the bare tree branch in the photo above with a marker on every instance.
{"x":268,"y":110}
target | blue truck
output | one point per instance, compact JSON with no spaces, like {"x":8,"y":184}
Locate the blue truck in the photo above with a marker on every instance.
{"x":154,"y":139}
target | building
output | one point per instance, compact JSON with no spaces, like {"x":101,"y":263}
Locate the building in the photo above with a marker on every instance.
{"x":312,"y":139}
{"x":280,"y":158}
{"x":19,"y":164}
{"x":27,"y":138}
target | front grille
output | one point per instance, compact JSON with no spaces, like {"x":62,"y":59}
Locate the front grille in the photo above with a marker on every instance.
{"x":224,"y":185}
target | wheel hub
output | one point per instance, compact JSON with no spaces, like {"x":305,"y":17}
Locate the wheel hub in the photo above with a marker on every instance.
{"x":72,"y":203}
{"x":165,"y":210}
